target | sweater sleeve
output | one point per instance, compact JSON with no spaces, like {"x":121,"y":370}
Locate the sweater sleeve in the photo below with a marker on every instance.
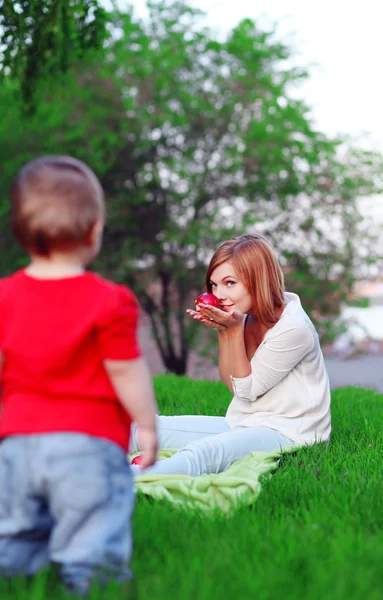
{"x":273,"y":361}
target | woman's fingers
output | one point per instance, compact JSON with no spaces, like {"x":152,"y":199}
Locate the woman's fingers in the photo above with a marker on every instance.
{"x":215,"y":313}
{"x":211,"y":312}
{"x":205,"y":320}
{"x":197,"y":316}
{"x":222,"y":318}
{"x":193,"y":313}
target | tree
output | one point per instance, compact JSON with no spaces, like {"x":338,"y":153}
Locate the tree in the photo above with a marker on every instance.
{"x":80,"y":115}
{"x":217,"y":146}
{"x":197,"y":140}
{"x":43,"y":38}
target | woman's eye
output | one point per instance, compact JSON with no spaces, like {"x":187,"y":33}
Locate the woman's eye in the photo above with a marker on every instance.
{"x":230,"y":283}
{"x":213,"y":285}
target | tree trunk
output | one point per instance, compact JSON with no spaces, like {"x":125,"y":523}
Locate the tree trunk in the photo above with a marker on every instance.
{"x":175,"y":364}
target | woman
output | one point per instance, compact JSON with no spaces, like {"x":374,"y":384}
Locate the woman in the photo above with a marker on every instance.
{"x":270,"y":359}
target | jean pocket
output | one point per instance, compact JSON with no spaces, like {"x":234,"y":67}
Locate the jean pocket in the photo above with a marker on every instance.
{"x":82,"y":482}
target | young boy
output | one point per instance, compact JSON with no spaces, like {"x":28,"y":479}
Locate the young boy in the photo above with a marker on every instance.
{"x":72,"y":382}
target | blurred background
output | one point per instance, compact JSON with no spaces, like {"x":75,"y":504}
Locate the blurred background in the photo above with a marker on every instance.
{"x":203,"y":120}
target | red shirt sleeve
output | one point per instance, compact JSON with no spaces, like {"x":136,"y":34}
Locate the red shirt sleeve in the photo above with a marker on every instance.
{"x":117,"y":331}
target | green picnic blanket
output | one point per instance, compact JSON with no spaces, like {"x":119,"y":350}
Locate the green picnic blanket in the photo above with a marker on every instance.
{"x":238,"y":485}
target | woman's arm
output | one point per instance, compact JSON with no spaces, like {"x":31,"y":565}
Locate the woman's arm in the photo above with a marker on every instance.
{"x":238,"y":361}
{"x":224,"y":359}
{"x":233,"y":361}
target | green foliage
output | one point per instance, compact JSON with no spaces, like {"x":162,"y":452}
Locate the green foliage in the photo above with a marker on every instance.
{"x":360,"y":302}
{"x":61,"y":124}
{"x":197,"y":140}
{"x":220,"y":146}
{"x":45,"y":37}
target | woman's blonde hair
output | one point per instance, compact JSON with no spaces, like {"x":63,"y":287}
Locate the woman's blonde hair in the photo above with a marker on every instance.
{"x":257,"y":267}
{"x":55,"y":202}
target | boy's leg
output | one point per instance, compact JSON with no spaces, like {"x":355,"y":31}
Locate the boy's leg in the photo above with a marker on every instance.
{"x":176,"y":432}
{"x":92,"y":501}
{"x":25,"y":522}
{"x":216,"y":453}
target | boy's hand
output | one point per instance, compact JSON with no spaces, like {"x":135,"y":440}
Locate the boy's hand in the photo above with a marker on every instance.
{"x":148,"y":442}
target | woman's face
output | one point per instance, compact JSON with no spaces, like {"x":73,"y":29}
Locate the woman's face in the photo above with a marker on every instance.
{"x":229,"y":290}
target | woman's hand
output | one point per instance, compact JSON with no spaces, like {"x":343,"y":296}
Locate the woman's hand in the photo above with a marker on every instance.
{"x":215,"y":318}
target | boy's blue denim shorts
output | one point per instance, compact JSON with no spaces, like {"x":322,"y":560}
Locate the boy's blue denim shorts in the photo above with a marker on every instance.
{"x":65,"y":498}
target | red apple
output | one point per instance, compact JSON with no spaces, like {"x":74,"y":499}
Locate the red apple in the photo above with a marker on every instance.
{"x":137,"y":460}
{"x":208,"y":299}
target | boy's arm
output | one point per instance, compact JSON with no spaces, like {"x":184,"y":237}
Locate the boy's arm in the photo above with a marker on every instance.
{"x":133,"y":386}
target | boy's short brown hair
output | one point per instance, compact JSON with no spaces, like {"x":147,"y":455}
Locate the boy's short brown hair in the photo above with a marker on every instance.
{"x":55,"y":202}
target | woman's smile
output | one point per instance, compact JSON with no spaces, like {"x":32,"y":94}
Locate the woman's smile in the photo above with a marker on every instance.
{"x":229,"y":289}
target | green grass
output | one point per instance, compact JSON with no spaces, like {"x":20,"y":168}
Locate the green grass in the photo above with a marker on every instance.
{"x":315,"y":532}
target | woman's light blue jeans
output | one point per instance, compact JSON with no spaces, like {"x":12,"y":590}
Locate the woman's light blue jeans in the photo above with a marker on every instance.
{"x":65,"y":498}
{"x":206,"y":444}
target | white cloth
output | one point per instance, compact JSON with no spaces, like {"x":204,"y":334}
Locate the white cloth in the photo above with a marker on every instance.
{"x":288,"y":388}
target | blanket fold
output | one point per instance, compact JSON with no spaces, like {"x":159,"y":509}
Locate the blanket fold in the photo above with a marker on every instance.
{"x":238,"y":485}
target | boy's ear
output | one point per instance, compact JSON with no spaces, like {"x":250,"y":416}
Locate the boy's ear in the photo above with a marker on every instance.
{"x":95,"y":233}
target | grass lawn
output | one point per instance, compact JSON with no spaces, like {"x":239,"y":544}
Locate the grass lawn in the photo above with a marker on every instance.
{"x":315,"y":532}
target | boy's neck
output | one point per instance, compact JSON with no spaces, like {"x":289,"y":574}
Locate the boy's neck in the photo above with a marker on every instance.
{"x":55,"y":267}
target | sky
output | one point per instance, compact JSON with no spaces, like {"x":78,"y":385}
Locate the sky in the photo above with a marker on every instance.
{"x":342,"y":40}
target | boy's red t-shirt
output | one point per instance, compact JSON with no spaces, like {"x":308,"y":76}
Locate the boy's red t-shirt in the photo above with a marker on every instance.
{"x":54,"y":336}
